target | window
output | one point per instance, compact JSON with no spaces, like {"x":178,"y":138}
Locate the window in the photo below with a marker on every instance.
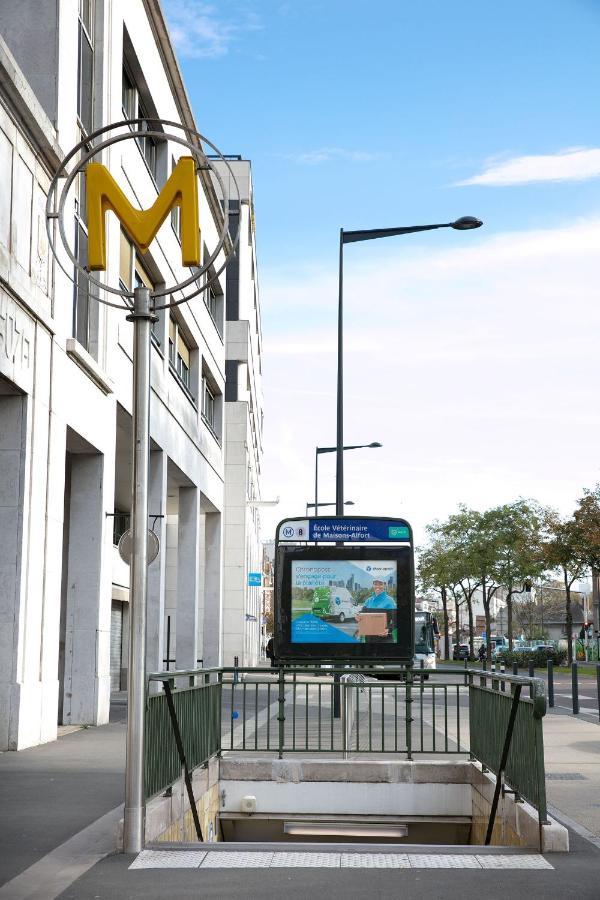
{"x":179,"y":354}
{"x":85,"y":66}
{"x":84,"y":325}
{"x":134,"y":107}
{"x":125,"y":262}
{"x":210,"y":298}
{"x":208,"y":405}
{"x":176,"y":210}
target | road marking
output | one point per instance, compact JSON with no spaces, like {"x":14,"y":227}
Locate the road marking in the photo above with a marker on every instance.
{"x":581,"y":696}
{"x":585,"y":712}
{"x":54,"y":873}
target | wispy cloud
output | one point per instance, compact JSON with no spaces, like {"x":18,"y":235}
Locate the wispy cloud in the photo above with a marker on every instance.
{"x":330,"y":154}
{"x":574,"y":164}
{"x":200,"y":31}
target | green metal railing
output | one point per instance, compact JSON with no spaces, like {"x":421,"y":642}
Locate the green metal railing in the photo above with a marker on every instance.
{"x":198,"y":714}
{"x":490,"y":713}
{"x":291,"y":710}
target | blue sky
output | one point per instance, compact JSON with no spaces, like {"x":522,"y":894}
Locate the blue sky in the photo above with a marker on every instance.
{"x":470,"y":356}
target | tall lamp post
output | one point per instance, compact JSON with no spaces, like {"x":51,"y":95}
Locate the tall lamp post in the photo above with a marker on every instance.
{"x":319,"y":450}
{"x":465,"y":223}
{"x":316,"y":505}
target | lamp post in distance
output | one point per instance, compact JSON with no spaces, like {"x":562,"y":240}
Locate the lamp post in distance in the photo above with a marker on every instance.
{"x":465,"y":223}
{"x":373,"y":445}
{"x":312,"y":505}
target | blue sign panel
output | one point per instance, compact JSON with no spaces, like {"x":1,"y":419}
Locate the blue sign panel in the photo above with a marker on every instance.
{"x":358,"y":530}
{"x":254,"y":579}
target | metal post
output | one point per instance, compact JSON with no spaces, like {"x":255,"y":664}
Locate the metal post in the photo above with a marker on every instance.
{"x":339,"y":459}
{"x":281,"y":713}
{"x":574,"y":688}
{"x":598,"y":685}
{"x":550,"y":667}
{"x":531,"y":675}
{"x":316,"y":481}
{"x":336,"y":696}
{"x":135,"y":807}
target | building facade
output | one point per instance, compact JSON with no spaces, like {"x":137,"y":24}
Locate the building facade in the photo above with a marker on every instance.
{"x":242,"y":595}
{"x":66,"y":379}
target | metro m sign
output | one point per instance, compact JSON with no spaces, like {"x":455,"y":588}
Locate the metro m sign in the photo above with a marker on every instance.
{"x":104,"y":194}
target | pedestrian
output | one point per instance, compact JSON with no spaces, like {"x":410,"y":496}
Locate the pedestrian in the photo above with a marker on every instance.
{"x":271,"y":651}
{"x":482,"y":653}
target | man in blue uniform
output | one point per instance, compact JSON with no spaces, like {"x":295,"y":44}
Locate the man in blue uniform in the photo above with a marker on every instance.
{"x":380,"y":601}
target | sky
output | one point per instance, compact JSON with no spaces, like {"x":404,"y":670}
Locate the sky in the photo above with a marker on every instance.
{"x":471,"y":356}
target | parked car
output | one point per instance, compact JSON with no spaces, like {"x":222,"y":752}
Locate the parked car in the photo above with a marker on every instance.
{"x":461,"y":651}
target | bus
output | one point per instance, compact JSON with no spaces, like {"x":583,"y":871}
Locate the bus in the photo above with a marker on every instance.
{"x":426,"y":635}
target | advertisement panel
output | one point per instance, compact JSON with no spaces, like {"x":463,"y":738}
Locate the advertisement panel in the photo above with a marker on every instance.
{"x":344,"y":603}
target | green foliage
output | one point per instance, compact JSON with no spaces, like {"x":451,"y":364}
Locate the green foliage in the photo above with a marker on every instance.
{"x":540,"y":657}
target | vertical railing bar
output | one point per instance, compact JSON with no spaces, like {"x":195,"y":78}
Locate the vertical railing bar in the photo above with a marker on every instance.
{"x":319,"y":715}
{"x":256,"y":717}
{"x":421,"y":710}
{"x":281,"y":712}
{"x":433,"y":716}
{"x":382,"y":719}
{"x":180,"y":750}
{"x":370,"y":718}
{"x":294,"y":697}
{"x":268,"y":715}
{"x":306,"y":718}
{"x":395,"y":718}
{"x":357,"y":719}
{"x":232,"y":692}
{"x":446,"y":718}
{"x":331,"y":714}
{"x":458,"y":716}
{"x":408,"y":713}
{"x":243,"y":715}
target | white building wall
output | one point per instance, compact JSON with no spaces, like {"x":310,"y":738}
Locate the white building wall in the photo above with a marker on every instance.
{"x":64,"y":407}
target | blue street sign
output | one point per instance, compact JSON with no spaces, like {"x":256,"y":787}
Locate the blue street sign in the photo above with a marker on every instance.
{"x":254,"y":579}
{"x":358,"y":530}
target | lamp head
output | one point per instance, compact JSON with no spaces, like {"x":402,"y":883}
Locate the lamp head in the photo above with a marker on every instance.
{"x":375,"y":444}
{"x":466,"y":223}
{"x":349,"y":503}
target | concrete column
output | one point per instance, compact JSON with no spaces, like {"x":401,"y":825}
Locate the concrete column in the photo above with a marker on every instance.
{"x":87,"y":635}
{"x":155,"y":615}
{"x":213,"y":589}
{"x":13,"y":422}
{"x":188,"y":576}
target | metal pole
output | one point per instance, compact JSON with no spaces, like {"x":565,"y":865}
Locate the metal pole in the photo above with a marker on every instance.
{"x":550,"y":666}
{"x":316,"y":513}
{"x":339,"y":467}
{"x":135,"y":807}
{"x":574,"y":688}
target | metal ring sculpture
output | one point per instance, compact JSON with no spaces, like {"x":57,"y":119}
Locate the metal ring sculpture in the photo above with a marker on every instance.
{"x":55,"y":204}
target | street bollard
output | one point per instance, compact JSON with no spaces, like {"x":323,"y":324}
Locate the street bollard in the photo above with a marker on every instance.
{"x":550,"y":665}
{"x":515,"y":668}
{"x":236,"y":676}
{"x":574,"y":688}
{"x":502,"y":671}
{"x":598,"y":685}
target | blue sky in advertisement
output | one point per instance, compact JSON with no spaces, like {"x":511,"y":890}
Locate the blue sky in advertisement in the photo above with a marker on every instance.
{"x":470,"y":356}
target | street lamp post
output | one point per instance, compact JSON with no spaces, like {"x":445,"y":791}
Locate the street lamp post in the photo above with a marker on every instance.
{"x":465,"y":223}
{"x":319,"y":450}
{"x":315,"y":505}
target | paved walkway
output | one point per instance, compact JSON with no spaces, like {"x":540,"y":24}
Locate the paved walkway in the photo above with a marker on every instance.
{"x":59,"y":804}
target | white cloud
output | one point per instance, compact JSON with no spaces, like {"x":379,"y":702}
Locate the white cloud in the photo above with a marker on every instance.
{"x":575,"y":164}
{"x":331,"y":154}
{"x":199,"y":31}
{"x":476,"y":367}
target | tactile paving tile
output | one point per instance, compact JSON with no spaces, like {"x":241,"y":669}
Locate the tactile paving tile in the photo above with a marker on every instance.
{"x":168,"y":859}
{"x":375,"y":861}
{"x":529,"y":861}
{"x":442,"y":861}
{"x":307,"y":860}
{"x":237,"y":859}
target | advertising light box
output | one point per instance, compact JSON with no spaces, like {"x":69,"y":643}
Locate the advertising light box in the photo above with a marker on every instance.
{"x":344,"y":603}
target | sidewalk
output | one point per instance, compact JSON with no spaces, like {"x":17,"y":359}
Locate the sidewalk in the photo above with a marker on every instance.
{"x":59,"y":804}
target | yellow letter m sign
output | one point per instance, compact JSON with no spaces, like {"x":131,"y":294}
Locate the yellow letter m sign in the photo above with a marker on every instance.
{"x":103,"y":194}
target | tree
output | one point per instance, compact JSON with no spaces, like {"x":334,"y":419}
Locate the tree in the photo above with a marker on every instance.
{"x":436,"y":572}
{"x":566,"y":550}
{"x":458,"y":532}
{"x":519,"y":557}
